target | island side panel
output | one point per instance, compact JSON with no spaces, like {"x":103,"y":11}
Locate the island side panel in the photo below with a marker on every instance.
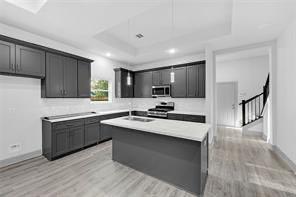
{"x":174,"y":160}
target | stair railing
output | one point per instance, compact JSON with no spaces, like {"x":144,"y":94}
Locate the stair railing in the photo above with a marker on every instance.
{"x":252,"y":108}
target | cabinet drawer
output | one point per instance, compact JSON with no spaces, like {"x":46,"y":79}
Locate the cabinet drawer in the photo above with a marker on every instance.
{"x":92,"y":120}
{"x":68,"y":124}
{"x":175,"y":116}
{"x":194,"y":118}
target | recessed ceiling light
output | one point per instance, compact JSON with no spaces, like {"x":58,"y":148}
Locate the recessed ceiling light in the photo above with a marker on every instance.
{"x":108,"y":54}
{"x":30,"y":5}
{"x":172,"y":51}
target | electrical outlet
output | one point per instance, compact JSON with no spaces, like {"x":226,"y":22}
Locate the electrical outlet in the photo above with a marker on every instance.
{"x":14,"y":147}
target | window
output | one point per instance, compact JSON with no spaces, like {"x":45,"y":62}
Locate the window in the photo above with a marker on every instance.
{"x":99,"y":90}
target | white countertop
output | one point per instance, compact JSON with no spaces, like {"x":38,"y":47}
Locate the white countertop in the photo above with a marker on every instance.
{"x":181,"y":129}
{"x":87,"y":116}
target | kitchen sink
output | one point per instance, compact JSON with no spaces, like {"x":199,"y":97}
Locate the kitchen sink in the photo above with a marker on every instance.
{"x":139,"y":119}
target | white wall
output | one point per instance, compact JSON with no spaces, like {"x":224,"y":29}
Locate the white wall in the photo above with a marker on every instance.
{"x":21,"y":105}
{"x":190,"y":105}
{"x":286,"y":92}
{"x":250,"y":75}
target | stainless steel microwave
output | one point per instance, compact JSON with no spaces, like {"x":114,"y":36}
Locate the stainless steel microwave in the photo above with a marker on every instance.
{"x":161,"y":91}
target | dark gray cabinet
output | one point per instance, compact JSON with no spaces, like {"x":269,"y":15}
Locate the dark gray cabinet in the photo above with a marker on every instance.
{"x":70,"y":78}
{"x":143,"y":84}
{"x":187,"y":117}
{"x":61,"y":77}
{"x":192,"y":81}
{"x":7,"y":57}
{"x":122,"y":88}
{"x":92,"y":132}
{"x":76,"y":138}
{"x":30,"y":62}
{"x":84,"y":77}
{"x":61,"y":138}
{"x":161,"y":77}
{"x":201,"y":80}
{"x":196,"y":75}
{"x":21,"y":60}
{"x":180,"y":84}
{"x":52,"y":86}
{"x":60,"y":142}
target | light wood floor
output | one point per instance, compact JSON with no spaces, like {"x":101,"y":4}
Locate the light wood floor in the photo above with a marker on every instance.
{"x":239,"y":167}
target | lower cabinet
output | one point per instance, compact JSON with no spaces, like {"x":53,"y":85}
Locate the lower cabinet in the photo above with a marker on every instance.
{"x":187,"y":117}
{"x":61,"y":138}
{"x":60,"y":142}
{"x":76,"y":138}
{"x":91,"y":134}
{"x":105,"y":133}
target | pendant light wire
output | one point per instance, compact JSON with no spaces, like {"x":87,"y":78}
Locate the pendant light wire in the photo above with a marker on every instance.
{"x":172,"y":74}
{"x":129,"y":80}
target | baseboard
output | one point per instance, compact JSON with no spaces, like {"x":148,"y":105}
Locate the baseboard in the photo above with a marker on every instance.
{"x":19,"y":158}
{"x":285,"y":158}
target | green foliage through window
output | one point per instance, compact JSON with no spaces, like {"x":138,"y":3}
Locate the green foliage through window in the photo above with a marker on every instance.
{"x":99,"y":90}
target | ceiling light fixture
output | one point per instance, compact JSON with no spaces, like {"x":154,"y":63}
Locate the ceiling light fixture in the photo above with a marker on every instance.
{"x":108,"y":54}
{"x":172,"y":50}
{"x":29,"y":5}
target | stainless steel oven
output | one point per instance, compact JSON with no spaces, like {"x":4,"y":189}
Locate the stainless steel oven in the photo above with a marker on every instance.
{"x":161,"y":91}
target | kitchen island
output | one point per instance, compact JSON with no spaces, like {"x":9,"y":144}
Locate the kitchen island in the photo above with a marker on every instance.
{"x":170,"y":150}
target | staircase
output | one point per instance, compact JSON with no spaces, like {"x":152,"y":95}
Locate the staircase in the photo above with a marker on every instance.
{"x":252,"y":108}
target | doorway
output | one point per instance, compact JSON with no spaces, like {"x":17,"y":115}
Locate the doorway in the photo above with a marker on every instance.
{"x":226,"y":103}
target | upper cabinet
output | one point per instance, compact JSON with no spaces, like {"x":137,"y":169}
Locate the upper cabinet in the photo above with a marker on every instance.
{"x":201,"y":81}
{"x":143,"y":84}
{"x":189,"y":81}
{"x":21,"y":60}
{"x":65,"y":77}
{"x":161,"y":77}
{"x":84,"y":77}
{"x":124,"y":83}
{"x":30,"y":62}
{"x":178,"y":88}
{"x":196,"y":81}
{"x":7,"y":57}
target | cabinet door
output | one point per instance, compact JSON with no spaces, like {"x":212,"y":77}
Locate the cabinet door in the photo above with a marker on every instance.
{"x":54,"y":76}
{"x":165,"y":77}
{"x":30,"y":61}
{"x":194,"y":118}
{"x":70,"y":77}
{"x":201,"y":81}
{"x":175,"y":116}
{"x":7,"y":57}
{"x":191,"y":81}
{"x":179,"y":86}
{"x":84,"y":76}
{"x":91,"y":134}
{"x":143,"y":85}
{"x":156,"y":78}
{"x":76,"y":138}
{"x":105,"y":132}
{"x":60,"y":142}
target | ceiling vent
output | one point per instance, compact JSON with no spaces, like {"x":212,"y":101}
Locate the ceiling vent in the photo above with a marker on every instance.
{"x":139,"y":36}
